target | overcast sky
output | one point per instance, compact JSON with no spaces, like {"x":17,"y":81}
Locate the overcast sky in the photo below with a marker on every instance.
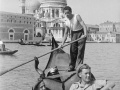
{"x":91,"y":11}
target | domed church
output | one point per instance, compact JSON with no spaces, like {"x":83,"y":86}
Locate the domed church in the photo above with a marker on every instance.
{"x":46,"y":13}
{"x":37,"y":19}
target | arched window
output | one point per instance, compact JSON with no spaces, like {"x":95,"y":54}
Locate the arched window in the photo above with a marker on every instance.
{"x":11,"y":31}
{"x":26,"y":35}
{"x":26,"y":31}
{"x":38,"y":34}
{"x":11,"y":34}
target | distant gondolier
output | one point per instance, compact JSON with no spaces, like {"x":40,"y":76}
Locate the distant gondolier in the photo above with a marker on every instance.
{"x":77,"y":27}
{"x":1,"y":42}
{"x":2,"y":46}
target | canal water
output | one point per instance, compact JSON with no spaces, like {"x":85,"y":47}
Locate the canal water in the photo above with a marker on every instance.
{"x":104,"y":59}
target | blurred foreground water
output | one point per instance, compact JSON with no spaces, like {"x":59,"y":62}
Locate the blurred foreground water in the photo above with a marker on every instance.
{"x":104,"y":59}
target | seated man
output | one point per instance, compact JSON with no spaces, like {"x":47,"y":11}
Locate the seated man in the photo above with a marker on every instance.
{"x":87,"y":83}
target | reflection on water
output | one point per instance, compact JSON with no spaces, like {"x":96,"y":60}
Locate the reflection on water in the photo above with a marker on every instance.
{"x":104,"y":59}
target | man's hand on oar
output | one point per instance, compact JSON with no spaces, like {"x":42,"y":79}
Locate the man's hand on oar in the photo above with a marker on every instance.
{"x":60,"y":46}
{"x":83,"y":36}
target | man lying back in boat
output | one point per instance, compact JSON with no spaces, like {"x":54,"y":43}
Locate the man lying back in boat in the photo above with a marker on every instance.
{"x":87,"y":83}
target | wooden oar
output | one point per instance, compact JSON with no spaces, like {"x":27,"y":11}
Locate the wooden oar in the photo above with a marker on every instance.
{"x":3,"y":72}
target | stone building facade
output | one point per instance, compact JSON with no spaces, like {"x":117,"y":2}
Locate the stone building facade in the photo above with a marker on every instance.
{"x":49,"y":12}
{"x":109,"y":27}
{"x":16,"y":26}
{"x":40,"y":18}
{"x":107,"y":32}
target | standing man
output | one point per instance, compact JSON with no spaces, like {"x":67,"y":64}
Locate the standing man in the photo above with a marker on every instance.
{"x":77,"y":27}
{"x":2,"y":46}
{"x":87,"y":82}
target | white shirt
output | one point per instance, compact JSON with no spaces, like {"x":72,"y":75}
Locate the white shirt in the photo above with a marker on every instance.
{"x":93,"y":85}
{"x":73,"y":24}
{"x":1,"y":42}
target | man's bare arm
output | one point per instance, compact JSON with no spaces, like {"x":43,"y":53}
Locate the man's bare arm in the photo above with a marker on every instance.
{"x":109,"y":86}
{"x":82,"y":23}
{"x":65,"y":35}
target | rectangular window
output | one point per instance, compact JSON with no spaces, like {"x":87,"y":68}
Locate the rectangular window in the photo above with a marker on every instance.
{"x":11,"y":37}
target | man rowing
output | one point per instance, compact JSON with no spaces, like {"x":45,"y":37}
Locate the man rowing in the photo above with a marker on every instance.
{"x":77,"y":27}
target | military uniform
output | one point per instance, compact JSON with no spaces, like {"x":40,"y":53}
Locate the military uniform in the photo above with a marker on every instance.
{"x":93,"y":85}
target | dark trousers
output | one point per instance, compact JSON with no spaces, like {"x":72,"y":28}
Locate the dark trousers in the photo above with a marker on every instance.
{"x":77,"y":49}
{"x":2,"y":47}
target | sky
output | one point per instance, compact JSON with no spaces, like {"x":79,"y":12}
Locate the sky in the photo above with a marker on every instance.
{"x":92,"y":11}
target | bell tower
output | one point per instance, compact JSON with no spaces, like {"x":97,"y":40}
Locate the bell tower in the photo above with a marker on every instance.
{"x":23,"y":6}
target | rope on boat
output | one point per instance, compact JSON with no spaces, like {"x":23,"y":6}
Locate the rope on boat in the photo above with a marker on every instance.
{"x":4,"y":72}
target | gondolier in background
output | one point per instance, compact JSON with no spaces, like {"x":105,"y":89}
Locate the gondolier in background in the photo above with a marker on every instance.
{"x":78,"y":29}
{"x":2,"y":46}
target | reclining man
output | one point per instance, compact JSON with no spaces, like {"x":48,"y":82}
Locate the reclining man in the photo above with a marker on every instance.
{"x":88,"y":83}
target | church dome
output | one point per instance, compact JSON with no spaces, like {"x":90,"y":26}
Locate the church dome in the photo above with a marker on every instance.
{"x":53,"y":1}
{"x":32,"y":4}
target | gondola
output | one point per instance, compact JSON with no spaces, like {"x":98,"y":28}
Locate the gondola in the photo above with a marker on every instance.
{"x":55,"y":76}
{"x":37,"y":44}
{"x":8,"y":52}
{"x":49,"y":45}
{"x":22,"y":43}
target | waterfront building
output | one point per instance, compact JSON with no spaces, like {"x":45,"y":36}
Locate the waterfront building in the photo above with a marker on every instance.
{"x":112,"y":31}
{"x":91,"y":29}
{"x":109,"y":27}
{"x":24,"y":26}
{"x":105,"y":37}
{"x":116,"y":26}
{"x":108,"y":32}
{"x":40,"y":18}
{"x":106,"y":27}
{"x":14,"y":26}
{"x":49,"y":12}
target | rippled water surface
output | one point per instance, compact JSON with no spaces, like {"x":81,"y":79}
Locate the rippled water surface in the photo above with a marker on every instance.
{"x":104,"y":59}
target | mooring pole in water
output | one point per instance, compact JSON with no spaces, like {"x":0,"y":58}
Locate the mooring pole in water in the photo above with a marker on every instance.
{"x":3,"y":72}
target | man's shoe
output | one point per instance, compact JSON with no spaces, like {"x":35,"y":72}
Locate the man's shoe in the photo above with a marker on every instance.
{"x":71,"y":69}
